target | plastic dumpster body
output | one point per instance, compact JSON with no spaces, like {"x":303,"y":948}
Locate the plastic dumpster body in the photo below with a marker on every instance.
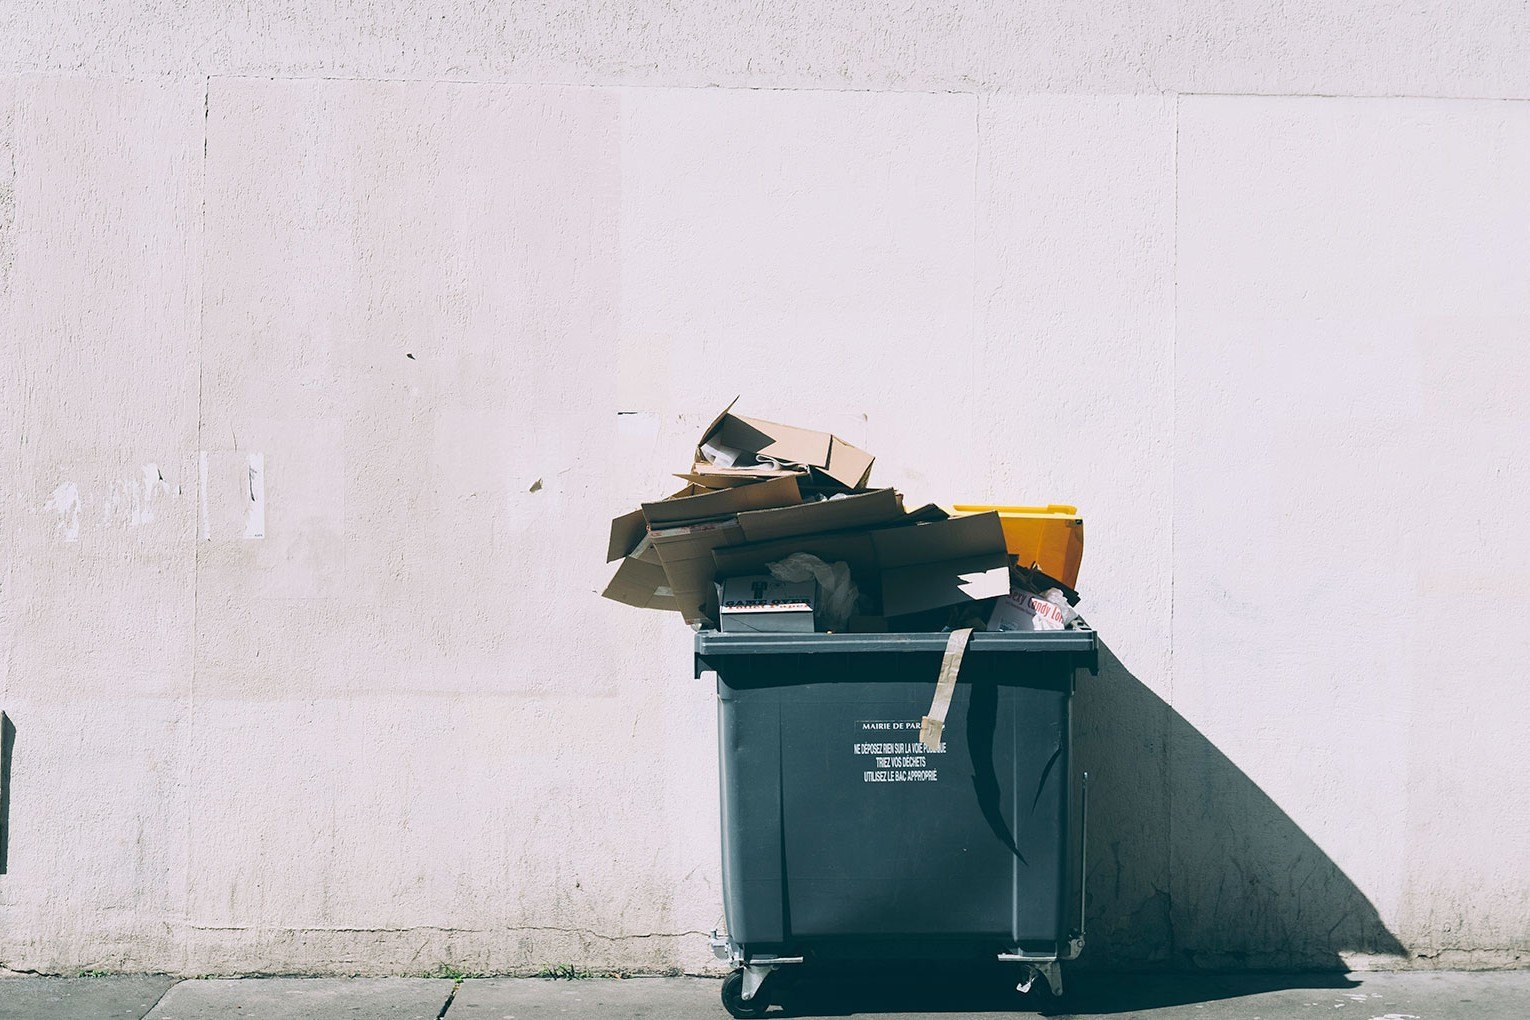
{"x":842,"y":836}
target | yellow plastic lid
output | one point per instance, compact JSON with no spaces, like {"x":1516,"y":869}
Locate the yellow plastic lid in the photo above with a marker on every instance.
{"x":1050,"y":510}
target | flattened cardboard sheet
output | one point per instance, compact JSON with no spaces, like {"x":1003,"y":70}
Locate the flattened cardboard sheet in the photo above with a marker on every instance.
{"x":851,"y":547}
{"x":686,"y":553}
{"x":776,"y":492}
{"x":642,"y":585}
{"x":942,"y":564}
{"x":809,"y":450}
{"x":861,"y":510}
{"x":628,"y":530}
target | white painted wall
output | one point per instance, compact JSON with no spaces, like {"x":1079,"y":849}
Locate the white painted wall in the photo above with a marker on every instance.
{"x":297,"y":304}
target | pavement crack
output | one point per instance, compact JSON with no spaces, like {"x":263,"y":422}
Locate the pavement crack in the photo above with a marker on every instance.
{"x":449,"y":997}
{"x":157,"y":1001}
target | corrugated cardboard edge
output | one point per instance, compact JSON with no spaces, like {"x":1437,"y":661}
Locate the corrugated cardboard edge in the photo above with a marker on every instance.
{"x":628,"y":530}
{"x":712,"y":477}
{"x":641,"y":585}
{"x":861,"y":510}
{"x":776,"y":492}
{"x":686,"y":553}
{"x":851,"y":547}
{"x":791,"y":444}
{"x":848,"y":465}
{"x":956,"y":538}
{"x":706,"y":432}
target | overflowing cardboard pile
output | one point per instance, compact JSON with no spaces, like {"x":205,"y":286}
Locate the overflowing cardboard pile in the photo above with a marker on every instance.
{"x":758,"y":492}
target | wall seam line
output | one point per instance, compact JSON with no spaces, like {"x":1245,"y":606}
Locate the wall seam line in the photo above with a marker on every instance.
{"x":1168,"y":719}
{"x":978,"y":335}
{"x":196,"y":532}
{"x":11,"y":174}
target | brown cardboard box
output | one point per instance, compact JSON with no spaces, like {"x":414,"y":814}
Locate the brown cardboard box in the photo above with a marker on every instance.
{"x":687,"y":549}
{"x":861,"y":510}
{"x":641,"y":584}
{"x":749,"y":502}
{"x":825,"y":458}
{"x":913,"y":567}
{"x":642,"y":578}
{"x":942,"y":564}
{"x":694,"y":503}
{"x":823,"y":529}
{"x":854,"y":548}
{"x":628,"y":530}
{"x":715,"y":504}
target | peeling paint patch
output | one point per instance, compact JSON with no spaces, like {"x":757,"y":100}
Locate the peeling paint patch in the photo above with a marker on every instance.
{"x":255,"y":513}
{"x":152,"y":484}
{"x":65,"y":502}
{"x":131,"y":501}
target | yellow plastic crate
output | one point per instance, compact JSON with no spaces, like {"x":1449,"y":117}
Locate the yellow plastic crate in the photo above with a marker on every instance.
{"x":1050,"y":537}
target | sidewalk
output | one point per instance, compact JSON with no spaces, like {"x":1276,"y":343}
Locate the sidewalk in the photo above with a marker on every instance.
{"x":1415,"y":996}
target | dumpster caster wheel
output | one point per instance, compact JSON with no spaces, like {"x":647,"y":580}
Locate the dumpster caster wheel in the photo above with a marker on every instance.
{"x":733,"y":998}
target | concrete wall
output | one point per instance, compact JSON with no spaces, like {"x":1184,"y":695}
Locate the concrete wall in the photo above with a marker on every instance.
{"x":330,"y":339}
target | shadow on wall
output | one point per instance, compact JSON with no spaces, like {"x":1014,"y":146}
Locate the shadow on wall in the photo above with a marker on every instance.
{"x":1192,"y":866}
{"x":7,"y":744}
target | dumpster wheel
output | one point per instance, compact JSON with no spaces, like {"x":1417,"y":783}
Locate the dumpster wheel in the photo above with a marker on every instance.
{"x":733,"y":997}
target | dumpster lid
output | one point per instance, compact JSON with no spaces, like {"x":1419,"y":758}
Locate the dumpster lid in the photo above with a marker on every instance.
{"x":712,"y":644}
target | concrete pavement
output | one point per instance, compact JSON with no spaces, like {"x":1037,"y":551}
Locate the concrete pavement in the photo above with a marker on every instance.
{"x":904,"y":996}
{"x":103,"y":998}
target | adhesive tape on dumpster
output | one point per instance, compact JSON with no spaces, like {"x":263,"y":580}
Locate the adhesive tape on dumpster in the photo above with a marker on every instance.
{"x":950,"y":665}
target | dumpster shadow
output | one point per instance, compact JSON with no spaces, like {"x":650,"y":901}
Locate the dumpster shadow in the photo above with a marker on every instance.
{"x":1200,"y":887}
{"x":867,"y":990}
{"x":1191,"y":865}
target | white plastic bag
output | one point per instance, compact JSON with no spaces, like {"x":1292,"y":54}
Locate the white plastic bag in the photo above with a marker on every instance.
{"x":837,"y":593}
{"x":1058,"y":599}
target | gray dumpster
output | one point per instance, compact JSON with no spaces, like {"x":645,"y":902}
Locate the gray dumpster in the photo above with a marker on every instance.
{"x":843,"y":837}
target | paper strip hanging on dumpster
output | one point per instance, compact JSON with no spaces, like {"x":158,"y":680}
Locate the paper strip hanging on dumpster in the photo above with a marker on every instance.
{"x":934,"y":721}
{"x":736,"y":446}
